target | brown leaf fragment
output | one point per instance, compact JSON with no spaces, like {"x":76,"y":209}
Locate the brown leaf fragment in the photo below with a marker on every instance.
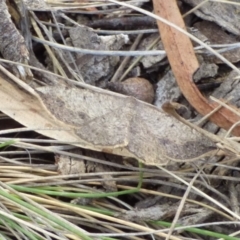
{"x":184,"y":64}
{"x":224,"y":14}
{"x":85,"y":38}
{"x":151,"y":213}
{"x":12,"y":44}
{"x":69,"y":165}
{"x":166,"y":211}
{"x":219,"y":37}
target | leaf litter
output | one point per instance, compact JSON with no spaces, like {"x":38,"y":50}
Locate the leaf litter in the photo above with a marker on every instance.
{"x":119,"y":125}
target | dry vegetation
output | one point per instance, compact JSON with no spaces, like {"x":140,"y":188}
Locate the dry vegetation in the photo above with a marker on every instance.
{"x":58,"y":180}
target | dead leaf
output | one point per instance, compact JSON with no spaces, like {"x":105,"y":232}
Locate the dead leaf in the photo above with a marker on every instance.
{"x":219,"y":37}
{"x":184,"y":65}
{"x":224,"y":14}
{"x":104,"y":66}
{"x":190,"y":214}
{"x":67,"y":165}
{"x":103,"y":121}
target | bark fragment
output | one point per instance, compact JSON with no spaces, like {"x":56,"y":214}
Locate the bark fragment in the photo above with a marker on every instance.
{"x":12,"y":44}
